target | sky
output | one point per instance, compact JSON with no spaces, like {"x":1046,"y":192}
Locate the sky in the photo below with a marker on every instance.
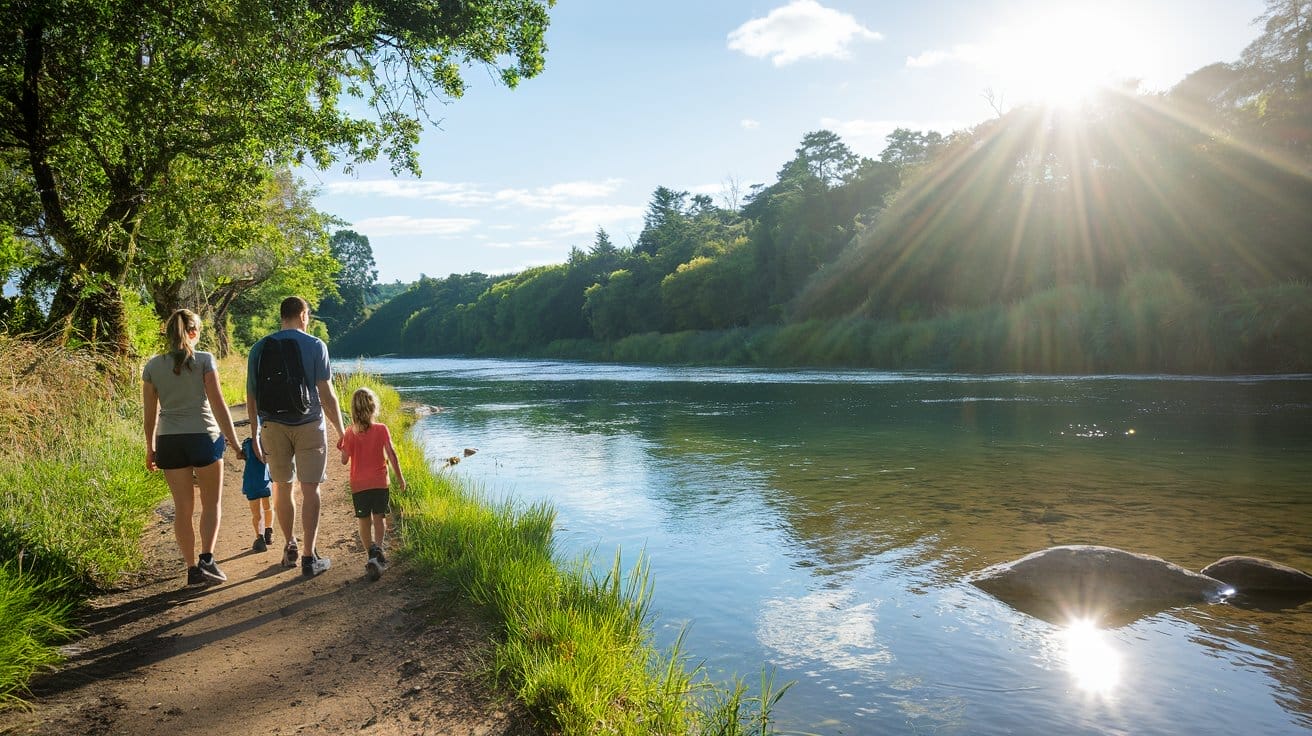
{"x":713,"y":96}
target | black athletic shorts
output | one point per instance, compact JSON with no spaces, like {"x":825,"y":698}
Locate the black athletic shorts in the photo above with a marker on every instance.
{"x":374,"y":501}
{"x":174,"y":451}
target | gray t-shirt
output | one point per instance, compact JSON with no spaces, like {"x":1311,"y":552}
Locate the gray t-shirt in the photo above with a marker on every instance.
{"x":183,"y":406}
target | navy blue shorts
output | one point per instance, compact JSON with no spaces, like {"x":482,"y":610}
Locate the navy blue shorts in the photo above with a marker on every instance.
{"x":174,"y":451}
{"x":375,"y":501}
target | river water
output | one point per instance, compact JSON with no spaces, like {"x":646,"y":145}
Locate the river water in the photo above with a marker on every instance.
{"x":822,"y":525}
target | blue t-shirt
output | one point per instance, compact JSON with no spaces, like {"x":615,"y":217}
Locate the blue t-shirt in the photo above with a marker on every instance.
{"x":314,"y":359}
{"x":255,"y":480}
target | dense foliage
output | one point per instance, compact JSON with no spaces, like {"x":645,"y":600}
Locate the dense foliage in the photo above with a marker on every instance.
{"x":136,"y":137}
{"x":1135,"y":232}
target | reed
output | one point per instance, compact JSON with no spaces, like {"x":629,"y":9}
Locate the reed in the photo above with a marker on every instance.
{"x":574,"y":641}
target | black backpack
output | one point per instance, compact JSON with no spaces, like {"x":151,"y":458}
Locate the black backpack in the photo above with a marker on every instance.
{"x":281,"y":390}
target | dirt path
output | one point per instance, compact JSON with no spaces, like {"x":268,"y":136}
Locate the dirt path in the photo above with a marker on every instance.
{"x":270,"y":651}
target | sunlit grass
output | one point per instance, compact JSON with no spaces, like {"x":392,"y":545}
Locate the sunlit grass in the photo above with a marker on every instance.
{"x":33,"y":618}
{"x":76,"y":499}
{"x":574,"y":641}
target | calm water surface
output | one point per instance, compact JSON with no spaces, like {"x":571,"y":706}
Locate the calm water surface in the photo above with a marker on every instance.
{"x":821,"y":524}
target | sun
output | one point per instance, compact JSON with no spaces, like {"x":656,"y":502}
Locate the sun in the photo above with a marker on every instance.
{"x":1063,"y":56}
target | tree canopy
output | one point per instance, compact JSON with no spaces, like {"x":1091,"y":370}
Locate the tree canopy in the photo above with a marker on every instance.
{"x":107,"y":105}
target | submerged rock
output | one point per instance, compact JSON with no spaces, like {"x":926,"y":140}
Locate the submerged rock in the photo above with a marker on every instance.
{"x":1104,"y":584}
{"x":1257,"y":575}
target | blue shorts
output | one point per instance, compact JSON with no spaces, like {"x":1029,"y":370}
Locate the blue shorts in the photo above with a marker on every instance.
{"x":174,"y":451}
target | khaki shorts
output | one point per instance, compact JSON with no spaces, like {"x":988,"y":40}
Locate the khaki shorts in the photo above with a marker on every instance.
{"x":299,"y":449}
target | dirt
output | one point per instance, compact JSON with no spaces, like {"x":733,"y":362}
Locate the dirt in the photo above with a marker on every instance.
{"x":271,"y":651}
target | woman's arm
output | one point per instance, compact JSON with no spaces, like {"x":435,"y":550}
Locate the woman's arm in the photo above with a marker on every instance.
{"x":214,"y":393}
{"x":149,"y":413}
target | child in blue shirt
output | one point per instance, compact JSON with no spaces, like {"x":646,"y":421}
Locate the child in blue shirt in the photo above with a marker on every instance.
{"x":256,"y":488}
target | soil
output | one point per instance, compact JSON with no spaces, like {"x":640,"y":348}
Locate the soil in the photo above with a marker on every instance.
{"x":271,"y":651}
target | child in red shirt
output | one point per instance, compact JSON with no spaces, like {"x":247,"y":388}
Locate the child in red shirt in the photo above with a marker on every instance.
{"x":367,"y":446}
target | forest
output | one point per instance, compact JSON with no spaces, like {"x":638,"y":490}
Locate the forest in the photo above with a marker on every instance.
{"x":1137,"y":232}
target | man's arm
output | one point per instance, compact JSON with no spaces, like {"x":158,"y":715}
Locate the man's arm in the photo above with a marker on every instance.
{"x":331,"y":409}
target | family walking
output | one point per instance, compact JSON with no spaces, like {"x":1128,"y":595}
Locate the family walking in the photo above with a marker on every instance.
{"x":290,"y":399}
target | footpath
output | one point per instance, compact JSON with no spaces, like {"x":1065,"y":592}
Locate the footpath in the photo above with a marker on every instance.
{"x":271,"y":651}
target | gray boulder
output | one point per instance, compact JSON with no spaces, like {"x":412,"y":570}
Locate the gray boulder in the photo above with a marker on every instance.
{"x":1252,"y":575}
{"x":1104,"y":584}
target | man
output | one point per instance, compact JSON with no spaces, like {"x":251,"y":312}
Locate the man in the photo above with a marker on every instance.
{"x":291,"y":437}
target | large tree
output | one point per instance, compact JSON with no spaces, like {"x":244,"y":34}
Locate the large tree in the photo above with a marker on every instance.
{"x":355,"y":282}
{"x":104,"y":99}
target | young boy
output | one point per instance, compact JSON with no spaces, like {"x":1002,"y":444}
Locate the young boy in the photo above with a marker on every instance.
{"x":257,"y":489}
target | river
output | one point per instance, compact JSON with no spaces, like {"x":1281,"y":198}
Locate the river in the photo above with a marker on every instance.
{"x":822,"y":524}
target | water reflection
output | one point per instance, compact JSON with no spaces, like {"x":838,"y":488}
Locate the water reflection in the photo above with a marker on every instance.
{"x":1090,"y":657}
{"x":827,"y":528}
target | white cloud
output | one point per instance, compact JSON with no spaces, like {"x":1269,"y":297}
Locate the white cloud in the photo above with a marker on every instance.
{"x":968,"y":53}
{"x":562,"y":195}
{"x":749,"y":124}
{"x":407,"y":225}
{"x":802,"y":29}
{"x":586,"y":220}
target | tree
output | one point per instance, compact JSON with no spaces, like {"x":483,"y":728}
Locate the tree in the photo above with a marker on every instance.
{"x":104,"y":99}
{"x":1277,"y":68}
{"x":356,"y":282}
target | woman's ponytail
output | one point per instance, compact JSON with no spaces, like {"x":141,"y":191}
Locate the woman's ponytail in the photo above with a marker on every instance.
{"x":177,"y":329}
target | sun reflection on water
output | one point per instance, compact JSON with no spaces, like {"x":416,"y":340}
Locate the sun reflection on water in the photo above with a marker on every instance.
{"x":1090,"y":657}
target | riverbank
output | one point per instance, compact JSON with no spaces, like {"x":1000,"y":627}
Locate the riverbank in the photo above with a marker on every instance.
{"x":271,"y":651}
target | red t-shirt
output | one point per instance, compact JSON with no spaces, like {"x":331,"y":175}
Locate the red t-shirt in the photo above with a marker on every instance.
{"x":368,"y":456}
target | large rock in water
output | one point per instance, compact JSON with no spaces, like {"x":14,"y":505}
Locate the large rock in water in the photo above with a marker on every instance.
{"x":1257,"y":575}
{"x":1104,"y":584}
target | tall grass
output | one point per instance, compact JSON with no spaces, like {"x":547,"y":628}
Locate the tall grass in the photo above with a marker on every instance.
{"x":33,"y":616}
{"x":574,"y":640}
{"x":76,"y":494}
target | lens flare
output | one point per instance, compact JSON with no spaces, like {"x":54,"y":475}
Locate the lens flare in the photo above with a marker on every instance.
{"x":1090,"y":657}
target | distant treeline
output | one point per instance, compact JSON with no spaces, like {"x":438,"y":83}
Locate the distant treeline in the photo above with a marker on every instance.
{"x":1168,"y":232}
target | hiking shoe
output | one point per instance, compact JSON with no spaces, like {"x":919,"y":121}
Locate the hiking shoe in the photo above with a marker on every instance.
{"x":311,"y":566}
{"x":211,"y":572}
{"x":195,"y":578}
{"x":268,"y":535}
{"x":373,"y":569}
{"x":260,"y":545}
{"x":290,"y":554}
{"x":376,"y":553}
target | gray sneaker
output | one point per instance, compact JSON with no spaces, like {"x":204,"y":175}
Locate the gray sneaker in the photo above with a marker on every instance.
{"x":312,"y":566}
{"x":290,"y":555}
{"x":211,"y":572}
{"x":376,"y":552}
{"x":373,"y":569}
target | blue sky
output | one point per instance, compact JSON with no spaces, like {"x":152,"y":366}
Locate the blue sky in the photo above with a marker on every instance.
{"x":703,"y":96}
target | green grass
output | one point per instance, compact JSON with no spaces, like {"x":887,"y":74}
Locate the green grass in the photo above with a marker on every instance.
{"x":76,"y":495}
{"x":33,"y":618}
{"x":573,"y":639}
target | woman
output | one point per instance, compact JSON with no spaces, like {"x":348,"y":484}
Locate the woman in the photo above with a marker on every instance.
{"x":180,"y":397}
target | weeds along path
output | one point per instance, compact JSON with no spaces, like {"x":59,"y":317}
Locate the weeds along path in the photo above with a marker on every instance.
{"x":270,"y":651}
